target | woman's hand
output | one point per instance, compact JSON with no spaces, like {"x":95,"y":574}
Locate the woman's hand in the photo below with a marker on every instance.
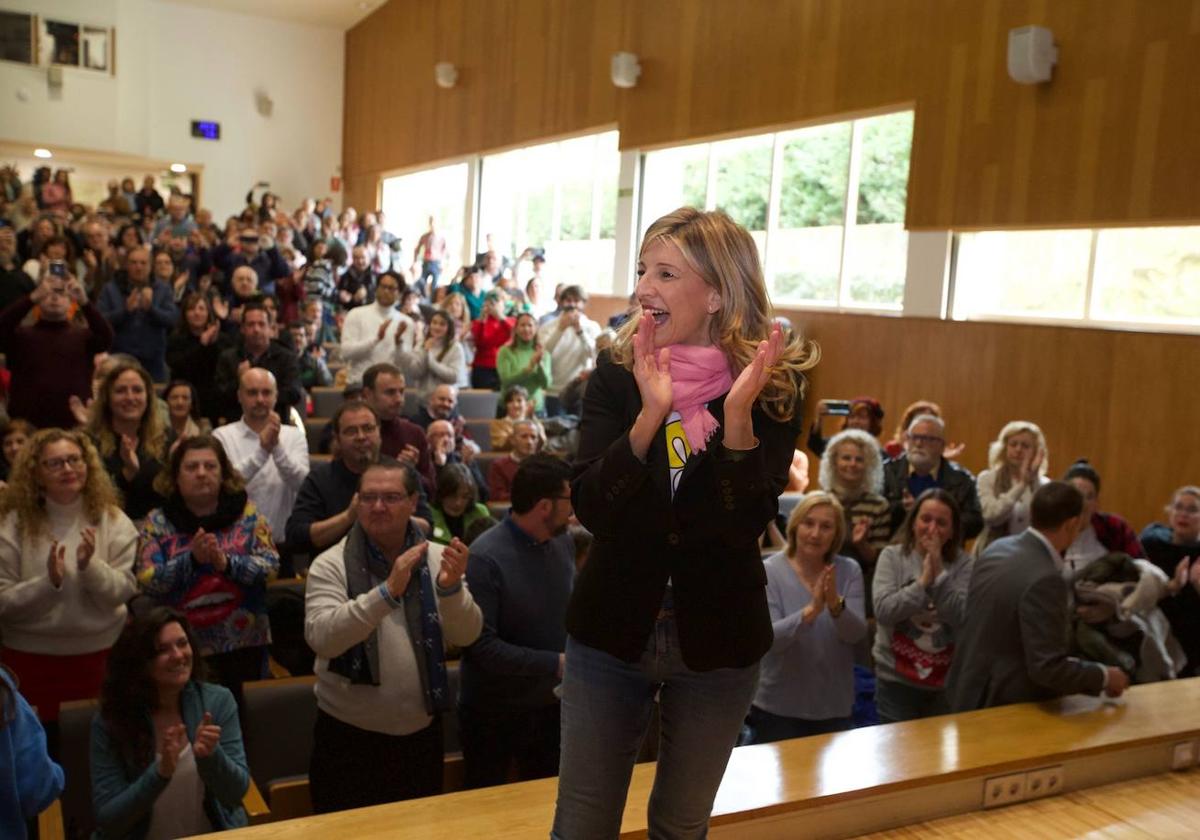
{"x":829,"y":590}
{"x":1180,"y":578}
{"x":129,"y":458}
{"x":80,"y":410}
{"x":862,"y":527}
{"x":652,"y":371}
{"x":56,"y":564}
{"x":454,"y":563}
{"x":208,"y":736}
{"x":818,"y":603}
{"x":173,"y":740}
{"x":87,"y":548}
{"x":210,"y":333}
{"x":739,"y":429}
{"x":931,"y":563}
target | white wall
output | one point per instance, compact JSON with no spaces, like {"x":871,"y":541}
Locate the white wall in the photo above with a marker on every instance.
{"x":176,"y":63}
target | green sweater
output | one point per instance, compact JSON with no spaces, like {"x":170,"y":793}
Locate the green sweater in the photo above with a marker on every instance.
{"x":512,"y":363}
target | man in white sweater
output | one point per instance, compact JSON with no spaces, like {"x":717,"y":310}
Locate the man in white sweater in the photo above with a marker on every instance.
{"x":570,"y":339}
{"x":379,"y":606}
{"x":378,"y":332}
{"x":272,"y":457}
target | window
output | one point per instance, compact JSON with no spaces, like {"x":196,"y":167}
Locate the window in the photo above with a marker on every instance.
{"x":1117,"y":276}
{"x":409,"y":201}
{"x":561,"y":197}
{"x":825,"y":204}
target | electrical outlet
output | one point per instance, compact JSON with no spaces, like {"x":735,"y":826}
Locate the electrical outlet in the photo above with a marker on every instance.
{"x":1183,"y":755}
{"x":1003,"y":790}
{"x":1044,"y":781}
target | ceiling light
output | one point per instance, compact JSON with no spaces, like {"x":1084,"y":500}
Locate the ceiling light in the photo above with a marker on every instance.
{"x":42,"y":153}
{"x":178,"y":167}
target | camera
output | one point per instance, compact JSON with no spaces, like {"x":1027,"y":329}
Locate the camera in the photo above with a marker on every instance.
{"x":58,"y":268}
{"x":838,"y":408}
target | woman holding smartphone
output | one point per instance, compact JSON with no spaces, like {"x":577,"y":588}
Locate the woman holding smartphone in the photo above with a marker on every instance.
{"x":688,"y":430}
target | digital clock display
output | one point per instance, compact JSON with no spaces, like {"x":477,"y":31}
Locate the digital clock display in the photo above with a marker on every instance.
{"x":206,"y":130}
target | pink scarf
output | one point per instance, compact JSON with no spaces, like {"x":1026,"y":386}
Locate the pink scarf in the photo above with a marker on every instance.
{"x":698,"y":374}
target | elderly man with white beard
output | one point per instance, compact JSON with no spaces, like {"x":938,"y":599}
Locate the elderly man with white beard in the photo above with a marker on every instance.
{"x":922,"y":467}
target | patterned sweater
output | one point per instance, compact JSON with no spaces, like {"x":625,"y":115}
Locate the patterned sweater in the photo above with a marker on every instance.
{"x":227,"y":610}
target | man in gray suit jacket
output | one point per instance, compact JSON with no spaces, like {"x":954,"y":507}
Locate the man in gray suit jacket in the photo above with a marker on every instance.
{"x":1013,"y":646}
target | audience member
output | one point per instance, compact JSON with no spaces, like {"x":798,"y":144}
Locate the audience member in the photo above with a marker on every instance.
{"x":428,"y":257}
{"x":14,"y":282}
{"x":470,"y":289}
{"x":130,"y":433}
{"x":455,"y":305}
{"x":1016,"y":469}
{"x":327,"y":504}
{"x":489,"y":333}
{"x":1174,"y":547}
{"x":455,"y":508}
{"x":445,"y":447}
{"x":356,"y":286}
{"x":314,"y":371}
{"x":257,"y":350}
{"x":377,"y":333}
{"x":167,"y":758}
{"x":852,"y":470}
{"x":815,"y":596}
{"x":1013,"y":644}
{"x":49,"y":350}
{"x":13,"y":436}
{"x":379,"y":607}
{"x":208,"y":552}
{"x":400,"y":438}
{"x":516,"y":406}
{"x":864,"y":414}
{"x":520,"y":573}
{"x":142,"y":312}
{"x":31,"y":781}
{"x":272,"y":458}
{"x":439,"y":359}
{"x":183,"y":414}
{"x":148,"y":200}
{"x":570,"y":338}
{"x":898,"y":444}
{"x":923,"y":466}
{"x":1102,"y":533}
{"x":920,"y":604}
{"x":193,"y":350}
{"x":524,"y":362}
{"x":66,"y":570}
{"x":244,"y":249}
{"x":525,"y":442}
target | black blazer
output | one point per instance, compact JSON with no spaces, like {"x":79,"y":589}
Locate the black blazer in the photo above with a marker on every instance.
{"x":705,"y":539}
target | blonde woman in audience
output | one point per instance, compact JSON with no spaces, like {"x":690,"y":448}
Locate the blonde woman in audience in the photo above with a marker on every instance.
{"x":455,"y":305}
{"x":1174,"y":547}
{"x":130,"y":434}
{"x":66,"y":561}
{"x":1016,"y":469}
{"x":815,"y":595}
{"x":920,"y":600}
{"x":852,"y":470}
{"x":440,"y":358}
{"x":523,"y":361}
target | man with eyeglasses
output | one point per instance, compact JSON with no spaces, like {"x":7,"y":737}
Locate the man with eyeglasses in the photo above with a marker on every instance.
{"x":378,"y":332}
{"x":50,"y":356}
{"x":922,"y":467}
{"x":521,"y":573}
{"x":327,"y":505}
{"x":379,"y":606}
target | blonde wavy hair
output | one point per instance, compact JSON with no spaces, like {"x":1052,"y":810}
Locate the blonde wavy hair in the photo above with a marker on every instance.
{"x":726,"y":258}
{"x":25,"y":494}
{"x":872,"y":477}
{"x":152,"y":431}
{"x":996,"y":449}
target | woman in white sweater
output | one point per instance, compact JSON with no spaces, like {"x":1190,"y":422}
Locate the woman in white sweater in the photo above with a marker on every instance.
{"x":66,"y":560}
{"x":1016,"y":468}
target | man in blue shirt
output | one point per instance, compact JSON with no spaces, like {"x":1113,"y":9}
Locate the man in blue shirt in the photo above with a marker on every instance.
{"x":520,"y":573}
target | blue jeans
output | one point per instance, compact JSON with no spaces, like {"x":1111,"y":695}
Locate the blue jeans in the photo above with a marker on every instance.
{"x":606,"y":704}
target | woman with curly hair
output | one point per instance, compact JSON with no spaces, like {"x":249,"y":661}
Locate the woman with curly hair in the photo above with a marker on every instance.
{"x":167,"y":758}
{"x":208,"y":552}
{"x":66,"y":570}
{"x":688,"y":431}
{"x":130,"y":434}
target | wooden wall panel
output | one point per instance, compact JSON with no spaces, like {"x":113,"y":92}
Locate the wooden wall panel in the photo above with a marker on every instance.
{"x":1108,"y":142}
{"x":1116,"y":398}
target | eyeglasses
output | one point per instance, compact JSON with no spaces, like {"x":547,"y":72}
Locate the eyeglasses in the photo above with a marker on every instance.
{"x":372,"y":499}
{"x":1185,"y":509}
{"x":361,"y":431}
{"x":926,"y":440}
{"x":56,"y":464}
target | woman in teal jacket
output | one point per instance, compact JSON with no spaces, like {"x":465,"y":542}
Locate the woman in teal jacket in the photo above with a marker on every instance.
{"x":161,"y":733}
{"x":523,"y":361}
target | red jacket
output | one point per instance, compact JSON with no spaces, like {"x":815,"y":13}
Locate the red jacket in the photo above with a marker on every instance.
{"x":490,"y":335}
